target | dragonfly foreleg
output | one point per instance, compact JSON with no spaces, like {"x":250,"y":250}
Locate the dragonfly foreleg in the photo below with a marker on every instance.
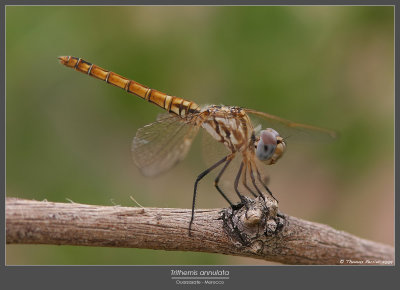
{"x":265,"y":186}
{"x":201,"y":175}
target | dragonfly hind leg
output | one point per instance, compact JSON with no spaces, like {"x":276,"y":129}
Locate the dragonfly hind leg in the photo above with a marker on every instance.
{"x":200,"y":177}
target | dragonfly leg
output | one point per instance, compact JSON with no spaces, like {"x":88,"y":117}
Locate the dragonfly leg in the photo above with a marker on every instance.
{"x":237,"y":183}
{"x":244,"y":181}
{"x":253,"y":180}
{"x":216,"y":181}
{"x":201,"y":175}
{"x":265,"y":186}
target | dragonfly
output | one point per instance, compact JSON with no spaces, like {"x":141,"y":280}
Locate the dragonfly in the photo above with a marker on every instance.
{"x":159,"y":146}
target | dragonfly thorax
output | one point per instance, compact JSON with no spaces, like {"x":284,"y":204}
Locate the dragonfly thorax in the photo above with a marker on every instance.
{"x":228,"y":125}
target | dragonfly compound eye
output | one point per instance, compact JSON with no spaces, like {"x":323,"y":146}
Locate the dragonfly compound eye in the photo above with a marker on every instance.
{"x":267,"y":144}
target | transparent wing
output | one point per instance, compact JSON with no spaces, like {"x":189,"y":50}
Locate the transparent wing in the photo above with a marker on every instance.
{"x":292,"y":130}
{"x":160,"y":145}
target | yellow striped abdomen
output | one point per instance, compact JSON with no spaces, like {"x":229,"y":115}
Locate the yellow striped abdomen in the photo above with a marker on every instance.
{"x":172,"y":104}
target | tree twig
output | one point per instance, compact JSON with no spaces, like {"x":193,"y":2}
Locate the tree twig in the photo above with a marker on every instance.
{"x":255,"y":230}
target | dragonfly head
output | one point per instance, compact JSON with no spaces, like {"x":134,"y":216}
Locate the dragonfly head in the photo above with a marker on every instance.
{"x":269,"y":146}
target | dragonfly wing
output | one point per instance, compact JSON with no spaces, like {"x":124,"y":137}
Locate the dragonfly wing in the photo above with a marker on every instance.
{"x":293,"y":130}
{"x":160,"y":145}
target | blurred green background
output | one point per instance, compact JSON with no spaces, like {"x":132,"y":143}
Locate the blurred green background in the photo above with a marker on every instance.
{"x":68,"y":135}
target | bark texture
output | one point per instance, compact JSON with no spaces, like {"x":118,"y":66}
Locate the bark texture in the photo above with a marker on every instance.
{"x":255,"y":229}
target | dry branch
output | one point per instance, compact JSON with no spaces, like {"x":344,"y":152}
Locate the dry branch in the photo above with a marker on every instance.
{"x":256,"y":230}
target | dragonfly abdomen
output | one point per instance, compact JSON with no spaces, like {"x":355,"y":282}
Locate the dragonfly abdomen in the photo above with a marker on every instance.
{"x":172,"y":104}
